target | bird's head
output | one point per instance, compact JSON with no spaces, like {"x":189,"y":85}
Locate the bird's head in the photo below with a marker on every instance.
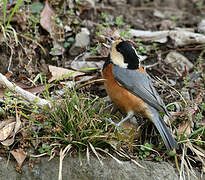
{"x":124,"y":54}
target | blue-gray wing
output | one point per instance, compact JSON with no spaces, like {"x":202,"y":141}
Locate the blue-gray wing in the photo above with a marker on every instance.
{"x":140,"y":85}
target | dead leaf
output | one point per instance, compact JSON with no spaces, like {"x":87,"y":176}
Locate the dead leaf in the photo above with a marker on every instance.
{"x":6,"y":131}
{"x":47,"y":18}
{"x":6,"y":122}
{"x":22,"y":85}
{"x":8,"y":142}
{"x":19,"y":155}
{"x":36,"y":89}
{"x":184,"y":128}
{"x":59,"y":72}
{"x":18,"y":123}
{"x":48,"y":23}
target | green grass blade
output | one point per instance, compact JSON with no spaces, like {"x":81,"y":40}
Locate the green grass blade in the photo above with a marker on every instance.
{"x":4,"y":10}
{"x":13,"y":11}
{"x":201,"y":129}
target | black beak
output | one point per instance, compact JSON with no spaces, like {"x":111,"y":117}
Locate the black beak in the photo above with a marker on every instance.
{"x":109,"y":40}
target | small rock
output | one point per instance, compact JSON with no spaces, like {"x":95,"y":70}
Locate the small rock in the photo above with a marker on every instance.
{"x":201,"y":26}
{"x":57,"y":50}
{"x":176,"y":60}
{"x":158,"y":14}
{"x":167,"y":24}
{"x":88,"y":3}
{"x":185,"y":93}
{"x":67,"y":28}
{"x":82,"y":40}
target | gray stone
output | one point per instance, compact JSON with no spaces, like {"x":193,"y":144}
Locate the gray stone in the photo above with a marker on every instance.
{"x":177,"y":60}
{"x":201,"y":26}
{"x":111,"y":170}
{"x":82,"y":40}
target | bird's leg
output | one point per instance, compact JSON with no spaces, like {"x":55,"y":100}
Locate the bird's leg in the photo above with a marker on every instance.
{"x":129,"y":115}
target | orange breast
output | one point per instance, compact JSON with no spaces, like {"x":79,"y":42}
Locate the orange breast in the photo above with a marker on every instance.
{"x":125,"y":100}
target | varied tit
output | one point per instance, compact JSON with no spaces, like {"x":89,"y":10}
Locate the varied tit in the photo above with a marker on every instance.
{"x":131,"y":89}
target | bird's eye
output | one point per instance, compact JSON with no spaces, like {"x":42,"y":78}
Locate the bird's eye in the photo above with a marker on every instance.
{"x":118,"y":49}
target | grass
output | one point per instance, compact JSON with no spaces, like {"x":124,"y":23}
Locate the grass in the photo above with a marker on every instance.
{"x":7,"y":20}
{"x":78,"y":119}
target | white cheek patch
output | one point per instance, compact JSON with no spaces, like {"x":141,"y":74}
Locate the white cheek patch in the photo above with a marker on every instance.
{"x":118,"y":59}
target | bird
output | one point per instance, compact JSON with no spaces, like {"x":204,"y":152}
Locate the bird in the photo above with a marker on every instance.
{"x":130,"y":88}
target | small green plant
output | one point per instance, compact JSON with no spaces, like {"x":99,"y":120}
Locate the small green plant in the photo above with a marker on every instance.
{"x":119,"y":21}
{"x":186,"y":81}
{"x":104,"y":16}
{"x":158,"y":158}
{"x":154,"y":47}
{"x":94,"y":50}
{"x":107,"y":19}
{"x":125,"y":33}
{"x":45,"y":149}
{"x":174,"y":19}
{"x":171,"y":153}
{"x":68,"y":42}
{"x":33,"y":25}
{"x":71,"y":12}
{"x":145,"y":150}
{"x":200,"y":4}
{"x":171,"y":107}
{"x":36,"y":7}
{"x":141,"y":49}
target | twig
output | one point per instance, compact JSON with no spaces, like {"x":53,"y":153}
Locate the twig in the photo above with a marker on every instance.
{"x":23,"y":93}
{"x":151,"y":65}
{"x":10,"y":58}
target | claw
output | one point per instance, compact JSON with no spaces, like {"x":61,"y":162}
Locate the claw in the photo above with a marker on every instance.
{"x":110,"y":120}
{"x":115,"y":124}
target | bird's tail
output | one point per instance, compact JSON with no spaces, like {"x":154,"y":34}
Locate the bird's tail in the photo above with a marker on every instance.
{"x":167,"y":137}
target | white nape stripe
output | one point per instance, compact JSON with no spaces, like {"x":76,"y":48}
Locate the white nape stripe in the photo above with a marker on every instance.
{"x":141,"y":58}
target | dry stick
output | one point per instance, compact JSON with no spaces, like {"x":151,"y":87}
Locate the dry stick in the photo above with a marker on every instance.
{"x":23,"y":93}
{"x":197,"y":48}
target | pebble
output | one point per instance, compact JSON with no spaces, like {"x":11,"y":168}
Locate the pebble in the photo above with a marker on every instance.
{"x":201,"y":26}
{"x":82,"y":40}
{"x":177,"y":60}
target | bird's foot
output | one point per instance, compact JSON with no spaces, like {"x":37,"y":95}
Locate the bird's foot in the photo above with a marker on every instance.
{"x":117,"y":125}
